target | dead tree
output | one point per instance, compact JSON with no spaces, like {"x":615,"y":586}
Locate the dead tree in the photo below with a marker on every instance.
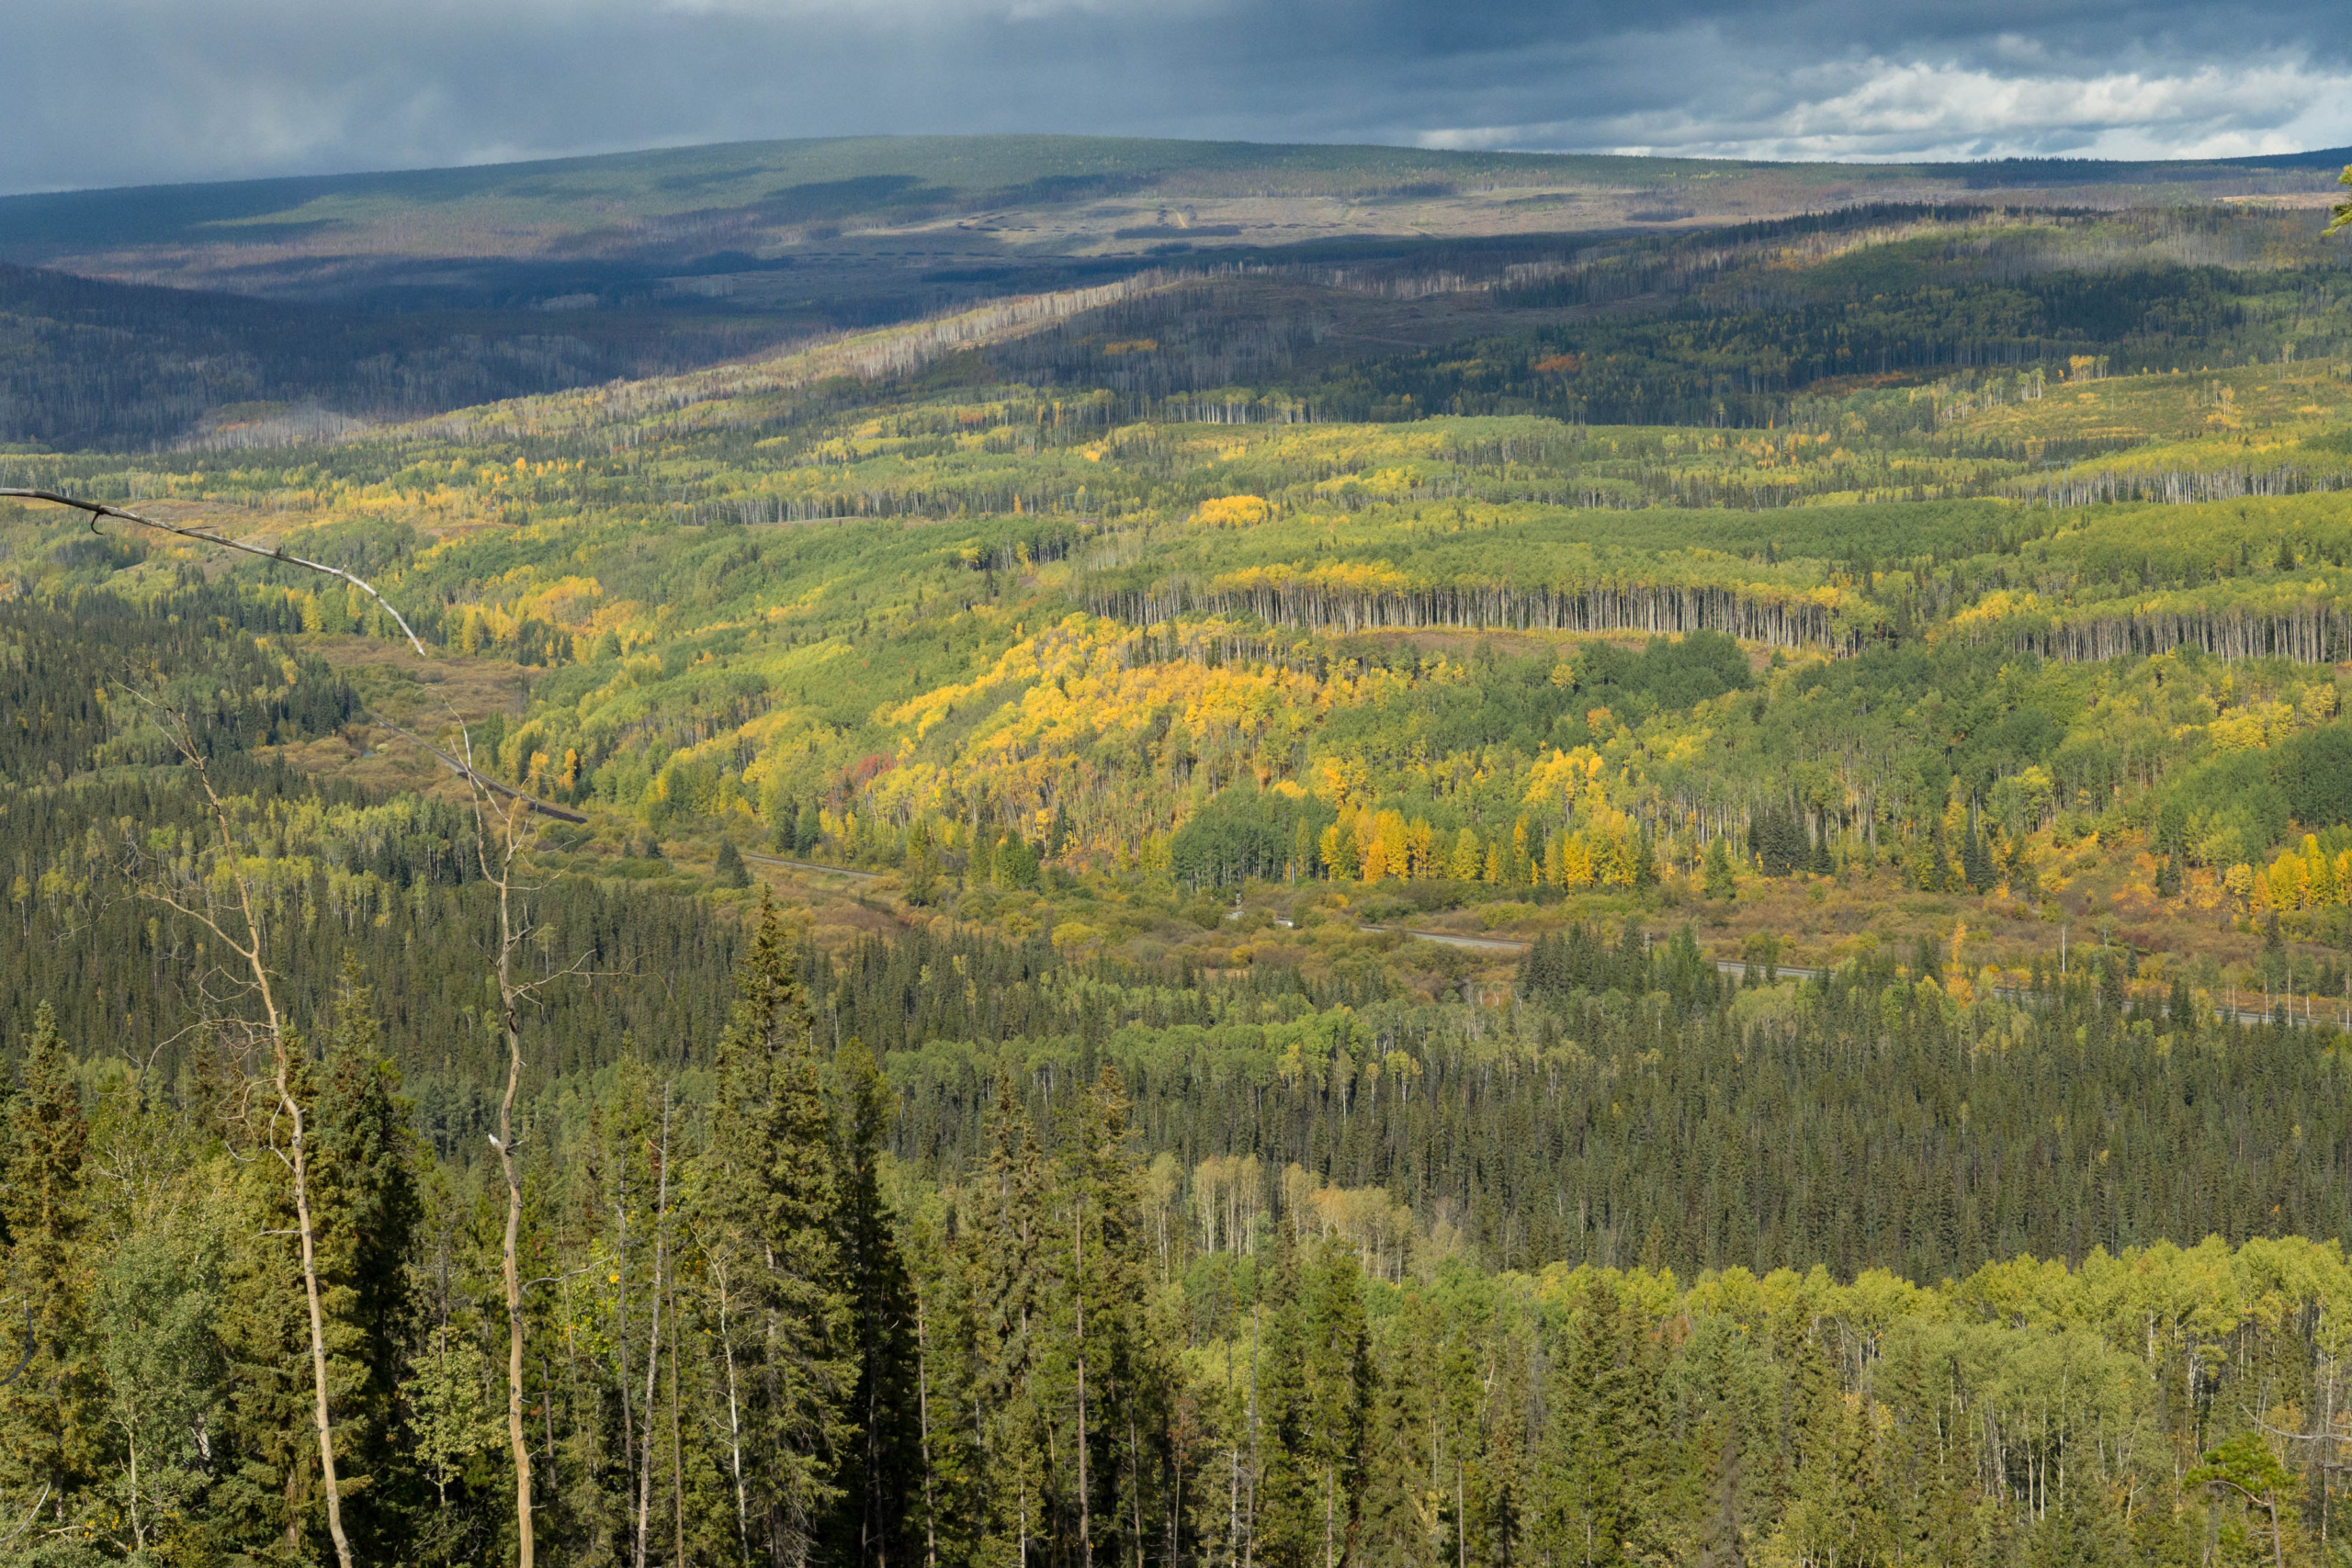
{"x":512,"y":997}
{"x":498,"y":869}
{"x":295,"y":1152}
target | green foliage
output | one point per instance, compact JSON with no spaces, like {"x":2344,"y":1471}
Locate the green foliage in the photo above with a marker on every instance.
{"x":1242,"y":834}
{"x":2314,"y":770}
{"x":772,"y":1193}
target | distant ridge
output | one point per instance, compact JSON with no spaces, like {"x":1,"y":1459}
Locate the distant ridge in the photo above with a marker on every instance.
{"x":680,"y":179}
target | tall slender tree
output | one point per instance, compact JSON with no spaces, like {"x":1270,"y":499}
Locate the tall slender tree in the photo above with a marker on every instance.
{"x":46,"y":1410}
{"x":881,"y":1475}
{"x":772,"y":1193}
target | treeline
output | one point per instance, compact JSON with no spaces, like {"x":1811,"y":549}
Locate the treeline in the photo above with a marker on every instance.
{"x":1717,"y":358}
{"x":749,"y":1336}
{"x":1638,"y":1106}
{"x":104,"y":842}
{"x":98,"y":364}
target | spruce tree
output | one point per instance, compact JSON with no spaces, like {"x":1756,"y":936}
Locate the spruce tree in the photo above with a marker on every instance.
{"x":1317,"y":1398}
{"x":47,"y":1410}
{"x":880,"y":1518}
{"x":367,"y":1208}
{"x":1010,"y":1306}
{"x":1288,"y":1517}
{"x":771,"y":1198}
{"x":1108,"y":1267}
{"x":1720,"y":883}
{"x":1722,"y":1542}
{"x":364,"y":1210}
{"x":1587,"y":1502}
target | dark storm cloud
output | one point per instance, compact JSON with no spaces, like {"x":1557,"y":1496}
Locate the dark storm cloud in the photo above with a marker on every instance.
{"x":235,"y":87}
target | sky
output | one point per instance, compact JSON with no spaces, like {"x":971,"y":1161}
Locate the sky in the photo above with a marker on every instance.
{"x":123,"y":92}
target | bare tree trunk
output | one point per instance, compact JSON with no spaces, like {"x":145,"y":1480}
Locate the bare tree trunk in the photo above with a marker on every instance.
{"x":510,"y":1015}
{"x":653,"y":1334}
{"x":296,"y":1156}
{"x":677,"y":1444}
{"x":620,"y":1321}
{"x":499,"y":872}
{"x":734,"y":1420}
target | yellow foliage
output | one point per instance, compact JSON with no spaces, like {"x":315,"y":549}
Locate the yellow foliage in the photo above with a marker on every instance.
{"x":1233,"y":511}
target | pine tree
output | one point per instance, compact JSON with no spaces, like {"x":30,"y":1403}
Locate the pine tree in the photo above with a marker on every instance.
{"x":47,"y":1411}
{"x":770,"y":1194}
{"x":729,"y":871}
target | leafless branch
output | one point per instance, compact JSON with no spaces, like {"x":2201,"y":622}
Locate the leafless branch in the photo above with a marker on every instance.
{"x":98,"y":509}
{"x":30,"y":1515}
{"x":464,"y":770}
{"x":296,"y":1155}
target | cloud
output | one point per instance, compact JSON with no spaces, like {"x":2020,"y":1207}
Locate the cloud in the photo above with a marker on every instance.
{"x":241,"y":87}
{"x":1883,"y":109}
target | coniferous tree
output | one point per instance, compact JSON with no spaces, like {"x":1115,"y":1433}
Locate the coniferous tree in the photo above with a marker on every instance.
{"x":772,"y":1205}
{"x":273,"y":1501}
{"x":1008,"y":1278}
{"x":47,"y":1410}
{"x":1719,"y":881}
{"x":1127,"y":1389}
{"x":881,"y":1475}
{"x":366,"y":1211}
{"x":1288,"y":1517}
{"x":1589,"y":1489}
{"x":1317,"y":1398}
{"x":1722,"y":1542}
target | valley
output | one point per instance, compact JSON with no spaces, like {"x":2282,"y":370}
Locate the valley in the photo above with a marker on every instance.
{"x":1239,"y":852}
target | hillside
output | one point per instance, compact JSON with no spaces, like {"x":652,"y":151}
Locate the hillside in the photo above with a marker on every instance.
{"x":972,"y":603}
{"x":1668,"y":891}
{"x":392,"y":295}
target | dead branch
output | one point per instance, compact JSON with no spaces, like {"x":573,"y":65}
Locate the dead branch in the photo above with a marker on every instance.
{"x":297,"y":1154}
{"x":511,"y":996}
{"x":468,"y":773}
{"x":510,"y":1005}
{"x":98,"y":509}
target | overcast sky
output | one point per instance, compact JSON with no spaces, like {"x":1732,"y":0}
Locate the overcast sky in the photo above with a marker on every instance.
{"x":115,"y":92}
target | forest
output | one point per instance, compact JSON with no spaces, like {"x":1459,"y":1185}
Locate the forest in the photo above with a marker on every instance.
{"x":1652,"y":895}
